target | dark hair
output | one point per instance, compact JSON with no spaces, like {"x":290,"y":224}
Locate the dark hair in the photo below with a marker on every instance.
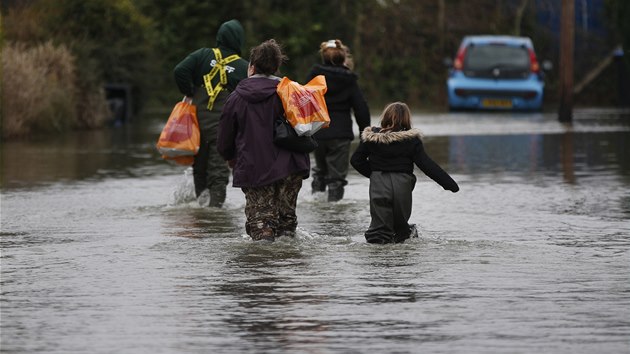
{"x":267,"y":57}
{"x":333,"y":52}
{"x":396,"y":116}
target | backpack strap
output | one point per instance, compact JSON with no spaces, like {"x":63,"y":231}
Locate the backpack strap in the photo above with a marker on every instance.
{"x":218,"y":66}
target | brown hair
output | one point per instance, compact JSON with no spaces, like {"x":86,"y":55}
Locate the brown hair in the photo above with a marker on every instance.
{"x":267,"y":57}
{"x":396,"y":116}
{"x":349,"y":60}
{"x":333,"y":52}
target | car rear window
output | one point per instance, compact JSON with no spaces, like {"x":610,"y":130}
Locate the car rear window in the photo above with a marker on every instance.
{"x":488,"y":57}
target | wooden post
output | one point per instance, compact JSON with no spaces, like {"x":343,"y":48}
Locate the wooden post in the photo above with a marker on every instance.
{"x":565,"y":112}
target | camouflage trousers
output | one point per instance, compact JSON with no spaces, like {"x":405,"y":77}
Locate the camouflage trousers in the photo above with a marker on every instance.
{"x":270,"y":210}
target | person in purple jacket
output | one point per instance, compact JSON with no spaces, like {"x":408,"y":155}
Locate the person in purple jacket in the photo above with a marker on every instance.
{"x":270,"y":177}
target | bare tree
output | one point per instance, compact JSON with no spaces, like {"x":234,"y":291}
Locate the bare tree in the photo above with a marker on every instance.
{"x":518,"y":17}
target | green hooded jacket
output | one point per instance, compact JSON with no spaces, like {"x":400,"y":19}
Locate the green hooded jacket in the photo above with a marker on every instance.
{"x":190,"y":71}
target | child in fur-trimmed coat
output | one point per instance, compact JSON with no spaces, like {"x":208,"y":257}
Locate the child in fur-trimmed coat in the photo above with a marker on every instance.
{"x":386,"y":155}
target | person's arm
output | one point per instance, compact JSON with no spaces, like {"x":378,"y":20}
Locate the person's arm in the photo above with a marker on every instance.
{"x":360,"y":160}
{"x":360,"y":108}
{"x":184,"y":72}
{"x":433,"y":170}
{"x":226,"y":131}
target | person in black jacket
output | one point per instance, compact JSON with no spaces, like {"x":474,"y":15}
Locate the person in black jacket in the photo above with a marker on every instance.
{"x":342,"y":97}
{"x":386,"y":155}
{"x":208,"y":90}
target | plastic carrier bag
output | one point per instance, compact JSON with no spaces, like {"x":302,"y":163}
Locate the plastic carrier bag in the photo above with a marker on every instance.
{"x":304,"y":106}
{"x":180,"y":138}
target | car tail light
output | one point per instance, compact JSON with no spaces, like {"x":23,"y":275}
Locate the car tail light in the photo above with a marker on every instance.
{"x":530,"y":94}
{"x":459,"y":58}
{"x":461,"y":92}
{"x":534,"y":67}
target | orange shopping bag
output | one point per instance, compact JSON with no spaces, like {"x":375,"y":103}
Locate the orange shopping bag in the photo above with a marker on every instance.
{"x":179,"y":141}
{"x":305,"y":106}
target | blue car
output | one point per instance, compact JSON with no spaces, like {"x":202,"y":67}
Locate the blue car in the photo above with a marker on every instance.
{"x":495,"y":73}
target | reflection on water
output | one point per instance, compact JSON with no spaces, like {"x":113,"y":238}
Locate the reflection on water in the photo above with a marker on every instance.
{"x":104,"y":249}
{"x":541,"y":154}
{"x":120,"y":152}
{"x":567,"y":158}
{"x":468,"y":143}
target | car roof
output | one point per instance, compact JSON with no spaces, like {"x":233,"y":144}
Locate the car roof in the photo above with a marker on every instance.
{"x":492,"y":39}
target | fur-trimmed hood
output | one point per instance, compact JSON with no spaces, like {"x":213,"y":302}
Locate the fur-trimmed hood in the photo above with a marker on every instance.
{"x":374,"y":135}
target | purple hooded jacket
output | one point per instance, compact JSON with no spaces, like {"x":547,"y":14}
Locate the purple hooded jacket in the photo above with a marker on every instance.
{"x":245,"y":135}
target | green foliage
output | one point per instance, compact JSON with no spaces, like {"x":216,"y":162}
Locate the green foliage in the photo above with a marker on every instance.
{"x":113,"y":40}
{"x":110,"y":40}
{"x":1,"y":33}
{"x":618,"y":13}
{"x":398,"y":46}
{"x":181,"y":27}
{"x":299,"y":25}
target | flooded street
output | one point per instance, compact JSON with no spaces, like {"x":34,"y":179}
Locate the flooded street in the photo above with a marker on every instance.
{"x":105,"y":251}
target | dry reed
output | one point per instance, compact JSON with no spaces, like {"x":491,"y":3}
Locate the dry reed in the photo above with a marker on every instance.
{"x":39,"y":92}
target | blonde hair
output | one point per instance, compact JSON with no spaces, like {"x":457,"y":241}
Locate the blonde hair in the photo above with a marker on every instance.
{"x":396,"y":116}
{"x":333,"y":52}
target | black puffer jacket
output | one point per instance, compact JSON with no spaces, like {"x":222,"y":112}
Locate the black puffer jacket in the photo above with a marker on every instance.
{"x":342,"y":96}
{"x":397,"y":151}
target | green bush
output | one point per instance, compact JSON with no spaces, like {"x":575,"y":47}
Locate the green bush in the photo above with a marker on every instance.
{"x":111,"y":39}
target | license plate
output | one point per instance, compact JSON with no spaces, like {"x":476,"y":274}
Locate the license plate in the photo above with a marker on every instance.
{"x":496,"y":103}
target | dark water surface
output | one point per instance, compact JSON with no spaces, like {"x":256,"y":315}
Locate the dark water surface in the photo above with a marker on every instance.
{"x":104,"y":250}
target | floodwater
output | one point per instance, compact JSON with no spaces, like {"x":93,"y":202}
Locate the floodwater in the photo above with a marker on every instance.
{"x":105,"y":251}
